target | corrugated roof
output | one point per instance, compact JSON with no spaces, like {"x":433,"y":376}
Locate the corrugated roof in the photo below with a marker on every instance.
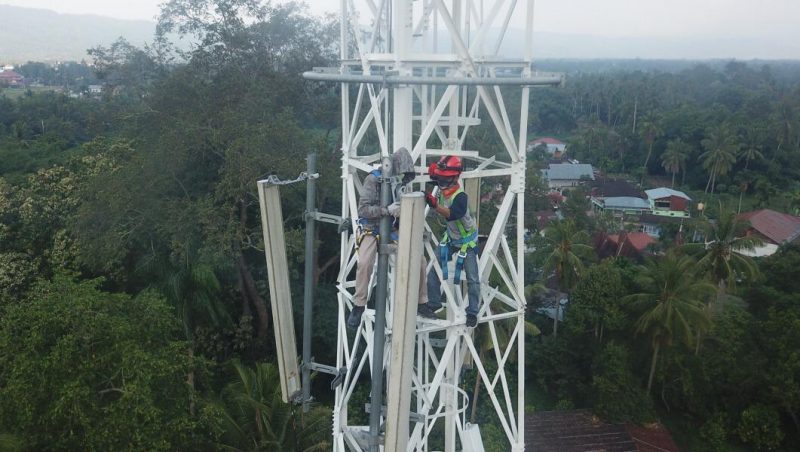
{"x":776,"y":226}
{"x":568,"y":171}
{"x":664,"y":192}
{"x":625,"y":202}
{"x":574,"y":431}
{"x":604,"y":186}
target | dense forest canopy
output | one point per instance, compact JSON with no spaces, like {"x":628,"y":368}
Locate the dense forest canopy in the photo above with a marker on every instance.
{"x":134,"y":311}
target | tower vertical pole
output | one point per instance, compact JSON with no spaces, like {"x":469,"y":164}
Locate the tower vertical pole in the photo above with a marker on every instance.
{"x":379,"y":338}
{"x":308,"y":290}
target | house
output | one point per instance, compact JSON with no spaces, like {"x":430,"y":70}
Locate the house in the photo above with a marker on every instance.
{"x":774,"y":228}
{"x":563,"y":175}
{"x":621,"y":205}
{"x":668,"y":202}
{"x":11,"y":78}
{"x":633,"y":245}
{"x":556,"y":148}
{"x":95,"y":89}
{"x":655,"y":225}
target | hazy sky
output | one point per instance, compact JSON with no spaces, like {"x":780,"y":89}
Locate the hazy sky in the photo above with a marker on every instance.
{"x":772,"y":20}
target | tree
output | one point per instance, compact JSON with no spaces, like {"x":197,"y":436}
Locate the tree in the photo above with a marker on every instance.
{"x":83,"y":369}
{"x":720,"y":154}
{"x":254,"y":417}
{"x":674,"y":158}
{"x":752,"y":146}
{"x":618,"y":396}
{"x":651,"y":130}
{"x":595,"y":302}
{"x":205,"y":132}
{"x":565,"y":247}
{"x":720,"y":254}
{"x":670,"y":304}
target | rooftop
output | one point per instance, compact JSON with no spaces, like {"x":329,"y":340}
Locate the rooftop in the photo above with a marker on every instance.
{"x":569,"y":171}
{"x":603,"y":187}
{"x":664,"y":192}
{"x":625,"y":202}
{"x":574,"y":431}
{"x":580,"y":431}
{"x":776,"y":226}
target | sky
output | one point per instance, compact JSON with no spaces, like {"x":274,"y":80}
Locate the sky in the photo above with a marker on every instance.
{"x":772,"y":23}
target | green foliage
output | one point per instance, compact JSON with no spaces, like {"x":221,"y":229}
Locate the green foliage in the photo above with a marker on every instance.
{"x":760,"y":427}
{"x":717,"y":256}
{"x":715,"y":434}
{"x":566,"y":248}
{"x":11,"y":443}
{"x":494,"y":439}
{"x":669,"y":305}
{"x":17,"y":272}
{"x":618,"y":396}
{"x":84,"y":369}
{"x":596,"y":302}
{"x":254,"y":417}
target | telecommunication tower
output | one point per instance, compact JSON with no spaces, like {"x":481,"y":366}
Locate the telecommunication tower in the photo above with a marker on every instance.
{"x":422,"y":74}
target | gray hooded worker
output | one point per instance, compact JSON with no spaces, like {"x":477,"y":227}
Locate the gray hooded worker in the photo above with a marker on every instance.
{"x":370,"y":212}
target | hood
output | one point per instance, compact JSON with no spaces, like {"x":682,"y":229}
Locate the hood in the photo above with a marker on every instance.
{"x":402,"y":162}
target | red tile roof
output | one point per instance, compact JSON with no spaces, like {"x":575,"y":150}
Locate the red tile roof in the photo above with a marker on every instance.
{"x":640,"y":240}
{"x":10,"y":75}
{"x":775,"y":226}
{"x":653,"y":438}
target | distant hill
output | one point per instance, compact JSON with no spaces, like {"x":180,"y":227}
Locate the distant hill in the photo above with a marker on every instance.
{"x":28,"y":34}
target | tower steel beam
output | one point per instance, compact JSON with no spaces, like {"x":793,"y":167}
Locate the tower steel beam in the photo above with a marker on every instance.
{"x":404,"y":85}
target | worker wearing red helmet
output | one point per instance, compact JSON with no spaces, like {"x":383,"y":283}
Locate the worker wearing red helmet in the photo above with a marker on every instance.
{"x":461,"y":237}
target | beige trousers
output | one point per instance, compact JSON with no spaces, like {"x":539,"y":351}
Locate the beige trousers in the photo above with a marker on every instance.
{"x":367,"y":252}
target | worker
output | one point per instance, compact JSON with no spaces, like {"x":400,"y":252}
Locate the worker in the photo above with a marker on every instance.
{"x":370,"y":212}
{"x":461,"y":237}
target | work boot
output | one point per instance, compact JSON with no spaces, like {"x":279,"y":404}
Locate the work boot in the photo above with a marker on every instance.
{"x":425,"y":311}
{"x":354,"y":319}
{"x":472,"y":320}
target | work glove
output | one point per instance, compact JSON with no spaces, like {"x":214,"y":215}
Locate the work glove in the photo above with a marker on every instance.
{"x":431,"y":200}
{"x":394,"y":209}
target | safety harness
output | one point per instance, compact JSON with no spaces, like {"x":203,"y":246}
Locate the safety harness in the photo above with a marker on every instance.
{"x":467,"y":241}
{"x":366,"y":227}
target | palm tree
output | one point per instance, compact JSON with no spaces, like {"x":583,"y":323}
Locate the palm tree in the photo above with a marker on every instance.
{"x":752,"y":148}
{"x":650,"y":132}
{"x":565,"y":247}
{"x":255,"y":418}
{"x":720,"y":255}
{"x":720,"y":155}
{"x":784,"y":121}
{"x":670,"y":303}
{"x":674,"y":158}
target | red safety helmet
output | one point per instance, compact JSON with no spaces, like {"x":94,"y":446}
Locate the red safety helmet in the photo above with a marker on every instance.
{"x":447,"y":166}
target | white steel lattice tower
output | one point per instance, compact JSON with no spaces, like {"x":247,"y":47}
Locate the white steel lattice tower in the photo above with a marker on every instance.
{"x":421,"y":75}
